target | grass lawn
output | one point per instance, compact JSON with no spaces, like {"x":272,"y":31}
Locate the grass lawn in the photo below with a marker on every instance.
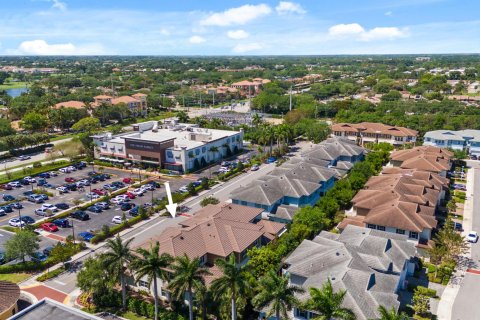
{"x":14,"y":277}
{"x":13,"y":85}
{"x":132,"y":316}
{"x":64,"y":136}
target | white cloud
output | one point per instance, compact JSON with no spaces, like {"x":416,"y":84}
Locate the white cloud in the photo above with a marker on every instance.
{"x":357,"y":31}
{"x":237,"y":34}
{"x":237,"y":16}
{"x":41,"y":47}
{"x":57,"y":4}
{"x":285,"y":7}
{"x":164,"y":31}
{"x":388,"y":13}
{"x":246,"y":47}
{"x":196,"y":39}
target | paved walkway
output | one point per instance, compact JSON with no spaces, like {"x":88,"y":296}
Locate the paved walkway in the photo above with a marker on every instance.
{"x":42,"y":291}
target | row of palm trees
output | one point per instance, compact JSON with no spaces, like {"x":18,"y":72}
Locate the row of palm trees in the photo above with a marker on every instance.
{"x":272,"y":293}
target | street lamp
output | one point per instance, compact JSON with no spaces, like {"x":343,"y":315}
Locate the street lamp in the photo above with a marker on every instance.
{"x":20,"y":218}
{"x":73,"y":232}
{"x":139,"y":175}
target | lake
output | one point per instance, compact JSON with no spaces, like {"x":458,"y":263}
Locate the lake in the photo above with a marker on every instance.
{"x":15,"y":92}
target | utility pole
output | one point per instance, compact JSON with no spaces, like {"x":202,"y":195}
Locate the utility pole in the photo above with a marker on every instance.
{"x":73,"y":232}
{"x":213,"y":104}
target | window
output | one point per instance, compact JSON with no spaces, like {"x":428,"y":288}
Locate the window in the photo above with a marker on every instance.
{"x":228,"y":140}
{"x":169,"y":154}
{"x":381,"y":228}
{"x":400,"y":231}
{"x":204,"y":149}
{"x":301,"y":313}
{"x":413,"y":235}
{"x":142,"y":283}
{"x":203,"y":259}
{"x":371,"y":226}
{"x":197,"y":151}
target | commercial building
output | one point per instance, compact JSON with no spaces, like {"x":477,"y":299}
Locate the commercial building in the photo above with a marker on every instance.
{"x":173,"y":146}
{"x":53,"y":310}
{"x":301,"y":181}
{"x":370,"y":265}
{"x":9,"y":295}
{"x":465,"y":140}
{"x":365,"y":132}
{"x":215,"y":232}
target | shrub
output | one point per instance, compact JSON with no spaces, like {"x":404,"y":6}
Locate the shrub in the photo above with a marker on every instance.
{"x":51,"y":274}
{"x":37,"y":164}
{"x":427,"y":291}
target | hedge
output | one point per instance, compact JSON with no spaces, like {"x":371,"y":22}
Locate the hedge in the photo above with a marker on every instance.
{"x":20,"y":174}
{"x":146,"y":309}
{"x":50,"y":274}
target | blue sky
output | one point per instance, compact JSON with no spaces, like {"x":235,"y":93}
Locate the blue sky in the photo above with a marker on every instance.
{"x":194,"y":27}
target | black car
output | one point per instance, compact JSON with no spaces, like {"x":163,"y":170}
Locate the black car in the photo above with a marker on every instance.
{"x":71,"y":187}
{"x":16,"y":205}
{"x":28,"y":193}
{"x":27,"y":220}
{"x":62,"y":206}
{"x":24,"y":182}
{"x":155,"y":184}
{"x":7,"y":197}
{"x":7,"y":208}
{"x":118,"y":184}
{"x":100,"y":177}
{"x":43,"y":196}
{"x":127,"y":206}
{"x":80,"y":215}
{"x":95,"y":209}
{"x":47,"y":250}
{"x":106,"y":175}
{"x":63,"y":223}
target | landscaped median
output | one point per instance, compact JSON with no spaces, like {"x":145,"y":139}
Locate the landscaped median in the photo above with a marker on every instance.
{"x":30,"y":170}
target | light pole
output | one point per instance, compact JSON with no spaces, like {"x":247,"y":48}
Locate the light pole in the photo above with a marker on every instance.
{"x":20,"y":218}
{"x":139,"y":175}
{"x":73,"y":232}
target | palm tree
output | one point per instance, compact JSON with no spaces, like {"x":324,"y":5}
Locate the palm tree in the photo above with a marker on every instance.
{"x":391,"y":314}
{"x":187,"y":275}
{"x":232,"y":284}
{"x":328,"y":303}
{"x":276,"y":293}
{"x":152,"y":264}
{"x":182,"y":117}
{"x":116,"y":260}
{"x":256,"y":119}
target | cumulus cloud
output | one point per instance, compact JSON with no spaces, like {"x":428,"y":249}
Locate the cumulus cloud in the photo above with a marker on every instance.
{"x":237,"y":16}
{"x":285,"y":7}
{"x":358,"y":32}
{"x":41,"y":47}
{"x":57,"y":4}
{"x":388,"y":13}
{"x":196,"y":39}
{"x":237,"y":34}
{"x":164,"y":31}
{"x":247,"y":47}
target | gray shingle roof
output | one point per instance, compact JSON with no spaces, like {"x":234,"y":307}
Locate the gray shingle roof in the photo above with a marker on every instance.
{"x":362,"y":261}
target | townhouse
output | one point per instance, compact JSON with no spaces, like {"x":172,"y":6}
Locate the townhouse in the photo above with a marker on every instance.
{"x":426,"y":158}
{"x":464,"y":140}
{"x":173,"y":146}
{"x":365,"y":132}
{"x":215,"y":232}
{"x":136,"y":103}
{"x":370,"y":265}
{"x":301,"y":181}
{"x":250,"y":88}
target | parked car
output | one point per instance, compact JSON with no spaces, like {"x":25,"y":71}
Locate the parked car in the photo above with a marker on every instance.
{"x":472,"y":237}
{"x":8,"y":197}
{"x":24,"y":182}
{"x":92,"y":195}
{"x":63,"y":223}
{"x":71,"y":187}
{"x":17,"y":205}
{"x":15,"y":184}
{"x":85,"y":182}
{"x":117,"y":219}
{"x":30,"y":179}
{"x":43,"y":196}
{"x":15,"y":222}
{"x":47,"y":250}
{"x":49,"y":186}
{"x":271,"y":160}
{"x":36,"y":198}
{"x":62,"y":206}
{"x":41,"y":182}
{"x":126,"y":206}
{"x":53,"y":173}
{"x":128,"y":180}
{"x":103,"y":205}
{"x":95,"y":209}
{"x":62,"y":189}
{"x":86,"y":236}
{"x":6,"y":209}
{"x":23,"y":158}
{"x":27,"y":219}
{"x":110,"y":187}
{"x":65,"y":170}
{"x":69,"y":179}
{"x":27,"y":193}
{"x":134,"y":211}
{"x":80,"y":215}
{"x":117,"y":200}
{"x":39,"y":257}
{"x":6,"y":187}
{"x":92,"y":173}
{"x":155,"y":184}
{"x":183,"y":189}
{"x":48,"y":226}
{"x":44,"y":175}
{"x":254,"y":167}
{"x":48,"y":206}
{"x":150,"y":187}
{"x":2,"y":213}
{"x":118,"y":184}
{"x":43,"y":212}
{"x":99,"y":192}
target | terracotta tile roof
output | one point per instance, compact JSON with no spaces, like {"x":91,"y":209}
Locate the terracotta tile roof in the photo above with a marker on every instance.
{"x":139,"y":95}
{"x":372,"y":127}
{"x":102,"y":97}
{"x":70,"y":104}
{"x":426,"y":178}
{"x":9,"y":294}
{"x":271,"y":227}
{"x":124,"y":99}
{"x":402,"y":155}
{"x":355,"y":221}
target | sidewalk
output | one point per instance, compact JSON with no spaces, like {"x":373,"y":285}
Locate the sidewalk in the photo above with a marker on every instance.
{"x":447,"y":300}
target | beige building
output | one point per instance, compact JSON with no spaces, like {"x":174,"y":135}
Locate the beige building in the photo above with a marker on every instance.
{"x":366,"y":132}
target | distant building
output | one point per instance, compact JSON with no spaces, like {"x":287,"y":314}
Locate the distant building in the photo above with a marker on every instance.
{"x":473,"y":88}
{"x":70,"y":104}
{"x":466,"y":140}
{"x":250,"y":88}
{"x":366,"y":132}
{"x":370,"y":265}
{"x":172,"y":146}
{"x":53,"y":310}
{"x":136,"y":103}
{"x":426,"y":158}
{"x":9,"y":295}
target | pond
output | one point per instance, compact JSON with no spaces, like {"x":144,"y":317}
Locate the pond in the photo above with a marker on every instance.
{"x":15,"y":92}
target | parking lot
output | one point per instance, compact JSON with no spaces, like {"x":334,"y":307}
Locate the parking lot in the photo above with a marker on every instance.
{"x":44,"y":241}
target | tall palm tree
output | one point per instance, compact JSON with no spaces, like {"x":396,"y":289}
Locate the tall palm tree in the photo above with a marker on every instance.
{"x":187,"y":275}
{"x":328,"y":303}
{"x":232,"y":284}
{"x":391,"y":314}
{"x":152,"y":264}
{"x":256,"y":119}
{"x":276,"y":293}
{"x":116,"y":260}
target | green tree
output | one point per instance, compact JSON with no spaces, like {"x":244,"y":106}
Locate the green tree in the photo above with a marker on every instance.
{"x":328,"y":303}
{"x":34,"y":122}
{"x":188,"y":275}
{"x":3,"y":76}
{"x":89,"y":125}
{"x":275,"y":293}
{"x":209,"y":200}
{"x":261,"y":260}
{"x":152,"y":264}
{"x":205,"y":183}
{"x":391,"y":314}
{"x":22,"y":244}
{"x":420,"y":304}
{"x":62,"y":253}
{"x":116,"y":260}
{"x":232,"y":284}
{"x":182,"y":117}
{"x":6,"y":128}
{"x":452,"y":242}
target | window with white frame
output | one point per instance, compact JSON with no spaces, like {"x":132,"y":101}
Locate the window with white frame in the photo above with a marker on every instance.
{"x":143,"y":284}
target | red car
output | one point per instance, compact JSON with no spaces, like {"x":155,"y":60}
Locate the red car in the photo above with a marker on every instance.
{"x":128,"y":180}
{"x":99,"y":192}
{"x":69,"y":179}
{"x":48,"y":226}
{"x":6,"y":187}
{"x":130,"y":195}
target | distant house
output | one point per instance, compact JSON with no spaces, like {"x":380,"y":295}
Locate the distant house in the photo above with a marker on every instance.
{"x":370,"y":265}
{"x":365,"y":132}
{"x":473,"y":87}
{"x":249,"y":88}
{"x":215,"y":232}
{"x":466,"y":140}
{"x":136,"y":103}
{"x":70,"y":104}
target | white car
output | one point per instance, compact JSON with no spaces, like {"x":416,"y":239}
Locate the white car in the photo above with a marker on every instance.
{"x":62,"y":189}
{"x":183,"y":189}
{"x":255,"y":167}
{"x":472,"y":237}
{"x":117,"y":219}
{"x":15,"y":184}
{"x":138,"y":191}
{"x":53,"y":173}
{"x":117,"y":200}
{"x":48,"y":206}
{"x":124,"y":197}
{"x":15,"y":222}
{"x":65,"y":170}
{"x":30,"y":179}
{"x":92,"y":195}
{"x":72,"y":168}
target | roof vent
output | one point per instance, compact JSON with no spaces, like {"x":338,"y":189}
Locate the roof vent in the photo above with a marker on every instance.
{"x":208,"y":224}
{"x":333,"y":278}
{"x":337,"y":253}
{"x":181,"y":238}
{"x":229,"y":207}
